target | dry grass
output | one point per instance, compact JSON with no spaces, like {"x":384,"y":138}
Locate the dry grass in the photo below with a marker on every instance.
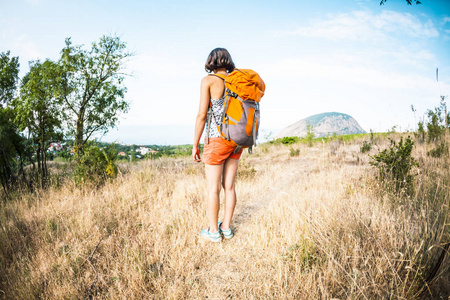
{"x":316,"y":226}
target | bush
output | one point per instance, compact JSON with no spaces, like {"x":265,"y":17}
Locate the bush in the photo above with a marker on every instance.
{"x":441,"y":149}
{"x":288,"y":140}
{"x":395,"y":163}
{"x":366,"y":147}
{"x":294,"y":152}
{"x":309,"y":134}
{"x":96,"y":165}
{"x":420,"y":135}
{"x":435,"y":129}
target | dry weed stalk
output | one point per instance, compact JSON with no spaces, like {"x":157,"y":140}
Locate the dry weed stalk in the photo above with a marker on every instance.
{"x":313,"y":226}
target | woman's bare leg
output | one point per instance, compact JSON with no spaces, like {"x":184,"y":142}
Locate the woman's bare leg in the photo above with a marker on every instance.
{"x":228,"y":183}
{"x":213,"y":177}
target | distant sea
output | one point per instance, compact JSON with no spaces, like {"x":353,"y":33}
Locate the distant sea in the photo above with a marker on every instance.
{"x":161,"y":134}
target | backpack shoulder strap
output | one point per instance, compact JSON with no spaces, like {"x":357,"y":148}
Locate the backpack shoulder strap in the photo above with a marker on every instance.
{"x":221,"y":76}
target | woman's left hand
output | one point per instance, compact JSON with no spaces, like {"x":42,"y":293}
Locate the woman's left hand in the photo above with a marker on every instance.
{"x":196,"y":154}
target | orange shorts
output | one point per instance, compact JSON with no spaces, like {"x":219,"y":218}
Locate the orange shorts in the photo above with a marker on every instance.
{"x":217,"y":151}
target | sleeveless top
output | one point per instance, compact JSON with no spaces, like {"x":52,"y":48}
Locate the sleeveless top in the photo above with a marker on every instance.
{"x":217,"y":109}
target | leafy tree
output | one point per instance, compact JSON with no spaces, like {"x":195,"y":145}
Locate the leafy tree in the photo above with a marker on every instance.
{"x":407,"y":1}
{"x":38,"y":111}
{"x":12,"y":145}
{"x":11,"y":142}
{"x":9,"y":76}
{"x":92,"y":87}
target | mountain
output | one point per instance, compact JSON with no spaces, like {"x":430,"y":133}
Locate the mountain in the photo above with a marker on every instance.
{"x":324,"y":124}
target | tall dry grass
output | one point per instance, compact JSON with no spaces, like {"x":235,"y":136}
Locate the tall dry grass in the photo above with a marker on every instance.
{"x":315,"y":226}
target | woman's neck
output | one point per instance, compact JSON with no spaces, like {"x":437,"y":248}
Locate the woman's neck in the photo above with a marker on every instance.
{"x":221,"y":71}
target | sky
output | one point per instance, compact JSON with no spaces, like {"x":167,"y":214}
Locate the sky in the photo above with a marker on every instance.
{"x":356,"y":57}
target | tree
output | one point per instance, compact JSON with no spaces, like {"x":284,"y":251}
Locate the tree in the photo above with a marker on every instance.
{"x":92,"y":87}
{"x":9,"y":76}
{"x":310,"y":134}
{"x":11,"y":142}
{"x":38,"y":110}
{"x":435,"y":129}
{"x":407,"y":1}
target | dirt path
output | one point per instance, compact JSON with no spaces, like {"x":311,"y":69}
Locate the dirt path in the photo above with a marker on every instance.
{"x":227,"y":271}
{"x":248,"y":209}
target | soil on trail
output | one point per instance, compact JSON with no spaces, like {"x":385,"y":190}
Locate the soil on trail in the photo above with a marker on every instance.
{"x":227,"y":266}
{"x":247,"y":209}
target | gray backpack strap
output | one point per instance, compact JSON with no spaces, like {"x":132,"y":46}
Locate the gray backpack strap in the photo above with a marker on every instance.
{"x":208,"y":123}
{"x":254,"y":128}
{"x":227,"y":129}
{"x":238,"y":148}
{"x":225,"y":107}
{"x":254,"y":124}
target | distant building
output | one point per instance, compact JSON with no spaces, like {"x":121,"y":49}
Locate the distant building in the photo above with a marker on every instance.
{"x":54,"y":147}
{"x":122,"y":154}
{"x":144,"y":150}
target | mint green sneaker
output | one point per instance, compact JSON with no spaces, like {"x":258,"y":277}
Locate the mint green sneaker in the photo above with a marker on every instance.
{"x":228,"y":234}
{"x":213,"y":237}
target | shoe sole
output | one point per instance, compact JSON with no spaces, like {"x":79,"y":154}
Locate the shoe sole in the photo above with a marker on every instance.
{"x":208,"y":237}
{"x":212,"y":240}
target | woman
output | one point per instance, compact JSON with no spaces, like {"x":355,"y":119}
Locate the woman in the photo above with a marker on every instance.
{"x":220,"y":162}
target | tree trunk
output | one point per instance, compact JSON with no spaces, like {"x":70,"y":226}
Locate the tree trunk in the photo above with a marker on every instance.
{"x":79,"y":141}
{"x":21,"y":170}
{"x":38,"y":158}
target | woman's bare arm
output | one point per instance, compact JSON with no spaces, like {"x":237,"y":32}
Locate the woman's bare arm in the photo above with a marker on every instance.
{"x":201,"y":116}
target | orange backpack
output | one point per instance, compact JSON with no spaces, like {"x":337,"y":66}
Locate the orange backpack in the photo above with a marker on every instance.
{"x":239,"y":125}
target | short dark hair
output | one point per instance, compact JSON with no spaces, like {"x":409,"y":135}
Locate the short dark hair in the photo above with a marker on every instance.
{"x":219,"y":58}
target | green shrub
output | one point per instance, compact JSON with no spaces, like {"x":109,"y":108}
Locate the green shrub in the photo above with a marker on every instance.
{"x":420,"y":135}
{"x":309,"y":134}
{"x":96,"y":165}
{"x":288,"y":140}
{"x":435,"y":129}
{"x":366,"y":147}
{"x":395,"y":163}
{"x":441,"y":149}
{"x":294,"y":152}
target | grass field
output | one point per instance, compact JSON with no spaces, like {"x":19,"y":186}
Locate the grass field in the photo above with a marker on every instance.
{"x":314,"y":226}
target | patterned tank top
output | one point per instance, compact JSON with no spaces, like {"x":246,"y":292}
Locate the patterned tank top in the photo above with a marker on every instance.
{"x":217,"y":109}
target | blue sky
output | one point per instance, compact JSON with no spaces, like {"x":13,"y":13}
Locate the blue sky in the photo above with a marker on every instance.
{"x":356,"y":57}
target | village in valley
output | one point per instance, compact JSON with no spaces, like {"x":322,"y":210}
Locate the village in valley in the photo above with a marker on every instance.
{"x":64,"y":151}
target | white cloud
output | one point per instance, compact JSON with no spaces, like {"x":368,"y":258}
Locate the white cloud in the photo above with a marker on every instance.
{"x":356,"y":75}
{"x":365,"y":26}
{"x":447,"y":34}
{"x":363,"y":89}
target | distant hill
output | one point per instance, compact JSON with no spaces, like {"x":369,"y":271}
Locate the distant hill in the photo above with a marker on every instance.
{"x":324,"y":124}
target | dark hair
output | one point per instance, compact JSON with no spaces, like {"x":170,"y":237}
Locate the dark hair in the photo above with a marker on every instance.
{"x":219,"y":58}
